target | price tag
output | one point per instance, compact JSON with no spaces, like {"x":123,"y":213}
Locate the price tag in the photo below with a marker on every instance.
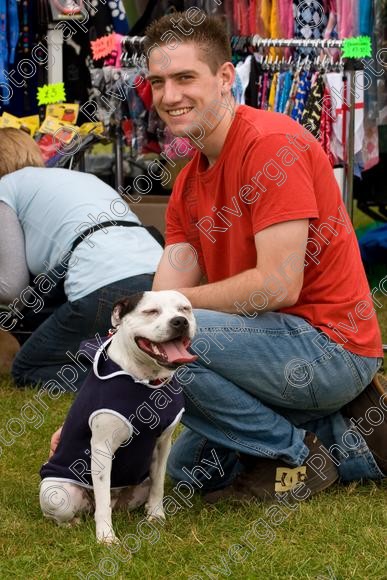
{"x":357,"y":47}
{"x":48,"y":94}
{"x":103,"y":46}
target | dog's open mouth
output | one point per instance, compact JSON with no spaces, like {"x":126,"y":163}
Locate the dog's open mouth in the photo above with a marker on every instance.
{"x":170,"y":353}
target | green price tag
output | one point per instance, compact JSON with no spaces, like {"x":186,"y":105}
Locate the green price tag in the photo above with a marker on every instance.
{"x":357,"y":47}
{"x":49,"y":94}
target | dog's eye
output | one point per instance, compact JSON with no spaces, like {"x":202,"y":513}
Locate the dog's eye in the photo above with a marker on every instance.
{"x":185,"y":309}
{"x":151,"y":311}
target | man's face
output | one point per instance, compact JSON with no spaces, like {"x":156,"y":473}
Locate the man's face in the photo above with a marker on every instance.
{"x":184,"y":88}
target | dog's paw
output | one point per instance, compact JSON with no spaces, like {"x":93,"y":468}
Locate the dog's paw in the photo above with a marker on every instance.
{"x":154,"y":512}
{"x":154,"y":518}
{"x":107,"y":537}
{"x":108,"y":540}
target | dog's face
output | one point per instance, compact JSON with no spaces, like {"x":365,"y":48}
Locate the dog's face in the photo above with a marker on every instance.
{"x":156,"y":327}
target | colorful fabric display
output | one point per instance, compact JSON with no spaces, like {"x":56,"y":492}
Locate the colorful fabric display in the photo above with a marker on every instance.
{"x":311,"y":116}
{"x":301,"y":96}
{"x":118,"y":15}
{"x":326,"y":125}
{"x":9,"y":34}
{"x":339,"y":87}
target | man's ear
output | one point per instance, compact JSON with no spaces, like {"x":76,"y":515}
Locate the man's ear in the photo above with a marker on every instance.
{"x":227,"y":76}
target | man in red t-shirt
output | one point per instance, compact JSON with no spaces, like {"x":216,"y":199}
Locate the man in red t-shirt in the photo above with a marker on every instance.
{"x":280,"y":393}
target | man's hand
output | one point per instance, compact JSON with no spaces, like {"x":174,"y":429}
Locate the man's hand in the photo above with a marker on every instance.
{"x":54,"y":441}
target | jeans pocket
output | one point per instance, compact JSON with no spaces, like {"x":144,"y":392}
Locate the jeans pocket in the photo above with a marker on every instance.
{"x":328,"y":382}
{"x":300,"y":389}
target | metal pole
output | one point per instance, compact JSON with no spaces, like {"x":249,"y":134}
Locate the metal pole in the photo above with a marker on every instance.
{"x":295,"y":42}
{"x":119,"y":181}
{"x":351,"y":146}
{"x":256,"y":41}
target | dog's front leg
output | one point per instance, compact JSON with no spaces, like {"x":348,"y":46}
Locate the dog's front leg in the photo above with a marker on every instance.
{"x":154,"y":506}
{"x":108,"y":432}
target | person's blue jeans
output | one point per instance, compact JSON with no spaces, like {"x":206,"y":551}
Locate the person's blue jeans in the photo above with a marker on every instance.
{"x":258,"y":385}
{"x":43,"y":355}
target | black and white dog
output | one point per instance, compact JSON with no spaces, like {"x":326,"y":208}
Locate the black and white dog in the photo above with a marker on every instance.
{"x":117,"y":435}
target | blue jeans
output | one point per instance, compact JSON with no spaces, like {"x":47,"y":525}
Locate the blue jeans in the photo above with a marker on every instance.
{"x":44,"y":353}
{"x":258,"y":385}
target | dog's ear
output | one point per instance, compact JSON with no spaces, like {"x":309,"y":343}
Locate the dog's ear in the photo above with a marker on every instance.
{"x":123,"y":306}
{"x":116,"y":314}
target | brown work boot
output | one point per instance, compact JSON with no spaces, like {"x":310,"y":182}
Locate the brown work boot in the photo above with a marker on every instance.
{"x":368,"y":412}
{"x":269,"y":479}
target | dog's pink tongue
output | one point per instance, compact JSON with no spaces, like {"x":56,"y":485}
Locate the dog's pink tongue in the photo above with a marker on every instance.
{"x":176,"y":352}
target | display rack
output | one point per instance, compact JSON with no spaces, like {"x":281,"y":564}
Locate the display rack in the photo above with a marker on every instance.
{"x":131,"y":43}
{"x":350,"y":66}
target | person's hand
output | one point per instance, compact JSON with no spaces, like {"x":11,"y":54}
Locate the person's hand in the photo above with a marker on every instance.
{"x":54,"y":441}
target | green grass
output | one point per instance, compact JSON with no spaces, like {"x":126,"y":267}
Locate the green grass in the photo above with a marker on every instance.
{"x":339,"y":534}
{"x":342,"y":529}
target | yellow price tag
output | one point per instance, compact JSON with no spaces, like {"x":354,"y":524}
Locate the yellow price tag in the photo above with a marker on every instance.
{"x":48,"y":94}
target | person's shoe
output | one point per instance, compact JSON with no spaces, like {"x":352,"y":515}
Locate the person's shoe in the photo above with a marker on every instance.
{"x":370,"y":417}
{"x":268,"y":479}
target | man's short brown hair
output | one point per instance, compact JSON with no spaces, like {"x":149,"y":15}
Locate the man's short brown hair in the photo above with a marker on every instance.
{"x":18,"y":150}
{"x":210,"y":35}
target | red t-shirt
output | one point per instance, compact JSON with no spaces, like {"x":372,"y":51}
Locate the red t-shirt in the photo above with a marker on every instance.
{"x":272,"y":170}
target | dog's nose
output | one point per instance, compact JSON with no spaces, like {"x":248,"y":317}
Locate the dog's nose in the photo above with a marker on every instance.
{"x":179,"y":323}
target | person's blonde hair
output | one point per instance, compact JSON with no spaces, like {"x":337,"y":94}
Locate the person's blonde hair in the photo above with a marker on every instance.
{"x":18,"y":150}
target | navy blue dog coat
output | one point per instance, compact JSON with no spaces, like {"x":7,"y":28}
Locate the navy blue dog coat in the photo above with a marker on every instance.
{"x":148,"y":411}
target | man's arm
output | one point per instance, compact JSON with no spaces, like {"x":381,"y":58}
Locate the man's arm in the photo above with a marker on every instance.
{"x":274,"y":283}
{"x":178,"y":268}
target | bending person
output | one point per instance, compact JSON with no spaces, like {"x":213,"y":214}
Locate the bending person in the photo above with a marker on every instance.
{"x":42,"y":212}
